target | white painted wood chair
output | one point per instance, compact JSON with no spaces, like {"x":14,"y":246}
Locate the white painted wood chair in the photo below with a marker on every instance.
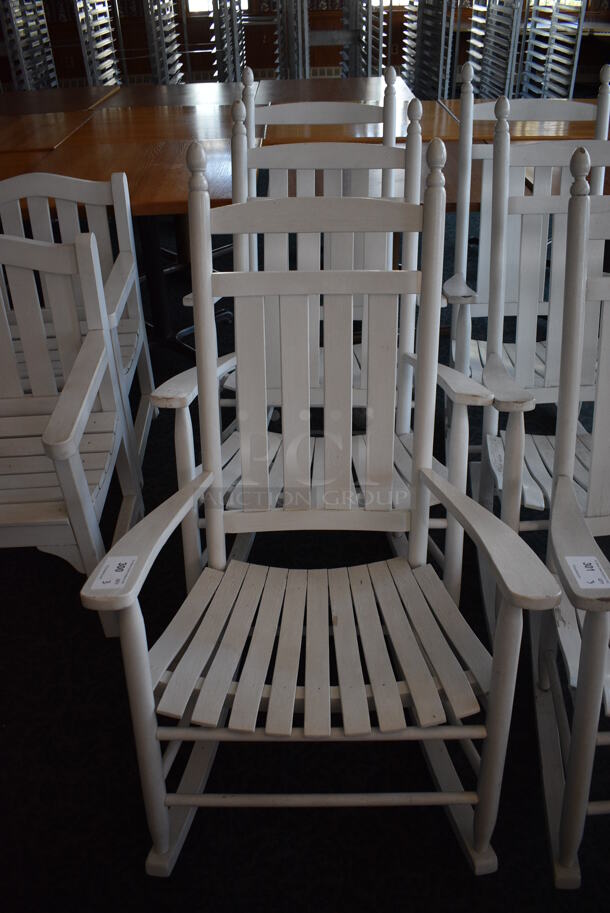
{"x":411,"y":686}
{"x":346,"y":169}
{"x":62,"y":426}
{"x":526,"y":372}
{"x":466,"y":302}
{"x":571,"y":645}
{"x":54,"y":207}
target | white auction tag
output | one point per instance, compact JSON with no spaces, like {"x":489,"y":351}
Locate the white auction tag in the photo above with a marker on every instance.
{"x":589,"y":573}
{"x":114,"y":574}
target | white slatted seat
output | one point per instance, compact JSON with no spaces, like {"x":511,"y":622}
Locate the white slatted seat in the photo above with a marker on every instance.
{"x":62,"y":426}
{"x":408,"y":665}
{"x":571,"y":660}
{"x":50,"y":206}
{"x":467,"y":302}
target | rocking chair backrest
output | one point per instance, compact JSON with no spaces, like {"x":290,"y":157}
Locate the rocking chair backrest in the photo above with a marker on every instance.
{"x":323,"y":112}
{"x":260,"y":473}
{"x":588,"y":292}
{"x":31,"y":199}
{"x":29,"y":366}
{"x":520,"y":109}
{"x":529,"y":209}
{"x":343,"y":169}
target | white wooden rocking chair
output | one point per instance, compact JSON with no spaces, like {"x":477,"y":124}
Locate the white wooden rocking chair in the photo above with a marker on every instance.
{"x":226,"y":667}
{"x":89,"y":205}
{"x":515,"y":465}
{"x":62,"y":425}
{"x":573,"y":643}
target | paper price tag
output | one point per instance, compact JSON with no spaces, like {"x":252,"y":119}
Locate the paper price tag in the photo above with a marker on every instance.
{"x":588,"y":572}
{"x":114,"y":574}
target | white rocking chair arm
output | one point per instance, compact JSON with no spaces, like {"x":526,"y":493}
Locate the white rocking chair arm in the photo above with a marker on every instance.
{"x":508,"y":395}
{"x":140,"y":545}
{"x":179,"y":392}
{"x":458,"y":387}
{"x":523,"y":579}
{"x":118,"y":286}
{"x":457,"y":290}
{"x":570,"y":537}
{"x":67,"y":424}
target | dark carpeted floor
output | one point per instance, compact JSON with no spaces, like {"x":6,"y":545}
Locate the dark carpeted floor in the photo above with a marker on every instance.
{"x":74,"y":833}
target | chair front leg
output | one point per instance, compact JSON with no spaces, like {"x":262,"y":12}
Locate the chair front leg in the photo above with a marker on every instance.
{"x":507,"y":643}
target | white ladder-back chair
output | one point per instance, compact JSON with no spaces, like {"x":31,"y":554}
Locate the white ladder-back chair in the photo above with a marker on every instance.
{"x":344,"y":167}
{"x":62,"y":425}
{"x":571,"y":645}
{"x":466,"y":302}
{"x":57,"y":207}
{"x":526,"y":372}
{"x":236,"y":614}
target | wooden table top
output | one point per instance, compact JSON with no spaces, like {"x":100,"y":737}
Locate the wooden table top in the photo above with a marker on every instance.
{"x":45,"y":101}
{"x":31,"y":132}
{"x":483,"y":130}
{"x":193,"y":93}
{"x":13,"y":163}
{"x":154,"y":124}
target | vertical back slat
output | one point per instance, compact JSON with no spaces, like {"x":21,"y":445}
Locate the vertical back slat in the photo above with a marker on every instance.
{"x":12,"y":220}
{"x":28,"y":312}
{"x":276,"y":259}
{"x":308,"y":259}
{"x":40,"y":218}
{"x":382,"y":330}
{"x":10,"y":385}
{"x":484,"y":255}
{"x":69,"y":228}
{"x":527,"y":317}
{"x":559,"y":224}
{"x":60,"y":298}
{"x":294,"y":340}
{"x":252,"y":401}
{"x":97,"y":221}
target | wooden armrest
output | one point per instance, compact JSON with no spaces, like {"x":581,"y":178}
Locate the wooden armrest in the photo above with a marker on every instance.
{"x":586,"y":580}
{"x":118,"y":286}
{"x":458,"y":387}
{"x":62,"y":435}
{"x":508,"y":395}
{"x":457,"y":291}
{"x":522,"y":577}
{"x":117,"y":580}
{"x":179,"y":392}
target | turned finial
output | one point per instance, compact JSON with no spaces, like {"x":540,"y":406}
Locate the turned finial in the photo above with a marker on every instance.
{"x":390,"y":76}
{"x":466,"y":74}
{"x":196,"y":160}
{"x":414,"y":111}
{"x":247,"y":76}
{"x":436,"y":158}
{"x":604,"y":73}
{"x":238,"y":113}
{"x":580,"y":165}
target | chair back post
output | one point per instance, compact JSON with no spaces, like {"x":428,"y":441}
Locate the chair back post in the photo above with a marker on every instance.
{"x":461,"y":324}
{"x":601,"y":126}
{"x":239,"y":178}
{"x":462,"y":212}
{"x":497,"y":259}
{"x":207,"y":351}
{"x":568,"y":404}
{"x":410,"y":242}
{"x":389,"y":109}
{"x":247,"y":78}
{"x":433,"y":239}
